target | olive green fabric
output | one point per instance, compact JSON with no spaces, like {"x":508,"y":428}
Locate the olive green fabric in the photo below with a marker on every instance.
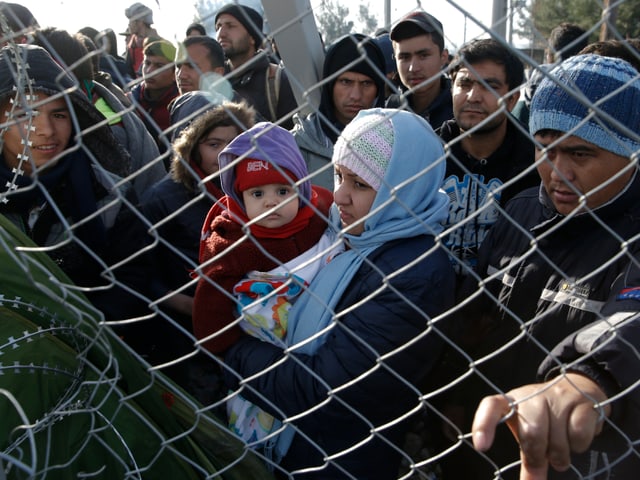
{"x":74,"y":400}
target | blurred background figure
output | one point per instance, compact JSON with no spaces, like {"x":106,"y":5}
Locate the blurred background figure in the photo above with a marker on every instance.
{"x":140,"y":20}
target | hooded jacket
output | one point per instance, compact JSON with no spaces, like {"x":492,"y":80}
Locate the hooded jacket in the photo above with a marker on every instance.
{"x":250,"y":82}
{"x":82,"y":181}
{"x":316,"y":133}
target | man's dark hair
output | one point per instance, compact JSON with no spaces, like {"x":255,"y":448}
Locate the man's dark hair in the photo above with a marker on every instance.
{"x":215,"y":53}
{"x":410,"y":31}
{"x":628,"y":50}
{"x":480,"y":50}
{"x":67,"y":49}
{"x":566,"y":40}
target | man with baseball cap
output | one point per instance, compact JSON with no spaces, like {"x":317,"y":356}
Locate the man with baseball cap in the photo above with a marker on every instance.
{"x":263,"y":84}
{"x":563,"y":260}
{"x":418,"y":47}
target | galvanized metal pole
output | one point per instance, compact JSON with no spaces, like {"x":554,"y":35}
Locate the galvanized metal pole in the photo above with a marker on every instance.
{"x":498,"y":18}
{"x":610,"y":15}
{"x":387,"y":13}
{"x":300,"y":47}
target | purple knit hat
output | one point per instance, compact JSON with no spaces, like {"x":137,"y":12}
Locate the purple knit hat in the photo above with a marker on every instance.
{"x":269,"y":142}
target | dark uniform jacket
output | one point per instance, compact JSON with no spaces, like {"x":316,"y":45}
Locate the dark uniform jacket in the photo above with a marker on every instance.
{"x":576,"y":295}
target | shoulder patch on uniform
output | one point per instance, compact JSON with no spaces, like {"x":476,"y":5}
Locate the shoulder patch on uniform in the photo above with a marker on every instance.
{"x":632,"y":293}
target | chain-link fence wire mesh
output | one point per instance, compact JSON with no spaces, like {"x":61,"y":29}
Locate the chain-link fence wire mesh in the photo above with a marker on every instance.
{"x":101,"y":375}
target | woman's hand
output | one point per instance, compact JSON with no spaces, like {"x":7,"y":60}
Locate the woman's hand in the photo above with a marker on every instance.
{"x":549,"y":421}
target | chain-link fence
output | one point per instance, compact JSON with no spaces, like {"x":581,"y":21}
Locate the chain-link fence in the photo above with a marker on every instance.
{"x":117,"y":359}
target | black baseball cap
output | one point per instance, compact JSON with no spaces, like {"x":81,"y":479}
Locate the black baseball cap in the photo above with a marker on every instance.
{"x":424,"y":21}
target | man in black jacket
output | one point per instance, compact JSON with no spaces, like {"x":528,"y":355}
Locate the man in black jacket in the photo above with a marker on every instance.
{"x":561,"y":291}
{"x":488,"y":149}
{"x":418,"y":48}
{"x":264,"y":85}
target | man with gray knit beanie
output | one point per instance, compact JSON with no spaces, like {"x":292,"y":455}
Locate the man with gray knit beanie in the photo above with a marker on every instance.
{"x":561,"y":296}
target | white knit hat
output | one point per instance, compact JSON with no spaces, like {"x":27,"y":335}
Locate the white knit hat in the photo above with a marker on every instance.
{"x":365,"y":147}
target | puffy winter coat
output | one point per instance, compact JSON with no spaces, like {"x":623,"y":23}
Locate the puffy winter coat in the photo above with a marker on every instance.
{"x":367,"y":344}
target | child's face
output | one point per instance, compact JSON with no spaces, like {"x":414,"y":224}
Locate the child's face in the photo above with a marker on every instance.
{"x":212,"y":144}
{"x":278,"y":199}
{"x":48,"y":137}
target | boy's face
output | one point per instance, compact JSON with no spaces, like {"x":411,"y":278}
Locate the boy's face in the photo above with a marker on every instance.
{"x":278,"y":199}
{"x":48,"y":137}
{"x":571,"y":167}
{"x":419,"y":59}
{"x":157,"y":72}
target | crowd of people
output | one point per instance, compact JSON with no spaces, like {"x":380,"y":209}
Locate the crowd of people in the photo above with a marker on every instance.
{"x":444,"y":244}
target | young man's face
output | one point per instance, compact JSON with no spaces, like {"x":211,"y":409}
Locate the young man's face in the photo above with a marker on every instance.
{"x":157,"y":72}
{"x":233,"y":37}
{"x":271,"y":198}
{"x":419,"y":59}
{"x":571,"y":167}
{"x":212,"y":144}
{"x":476,"y":93}
{"x":353,"y":197}
{"x":189,"y":72}
{"x":49,"y":135}
{"x":352,"y":92}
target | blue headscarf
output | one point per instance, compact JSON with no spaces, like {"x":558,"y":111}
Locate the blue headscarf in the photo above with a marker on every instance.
{"x":408,"y":203}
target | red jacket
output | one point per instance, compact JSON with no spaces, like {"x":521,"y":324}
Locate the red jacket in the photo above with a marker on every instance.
{"x":214,"y":307}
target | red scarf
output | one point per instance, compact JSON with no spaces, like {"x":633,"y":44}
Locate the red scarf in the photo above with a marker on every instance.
{"x":209,"y":184}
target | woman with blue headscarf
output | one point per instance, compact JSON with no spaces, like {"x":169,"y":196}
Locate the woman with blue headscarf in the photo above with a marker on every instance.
{"x":367,"y":330}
